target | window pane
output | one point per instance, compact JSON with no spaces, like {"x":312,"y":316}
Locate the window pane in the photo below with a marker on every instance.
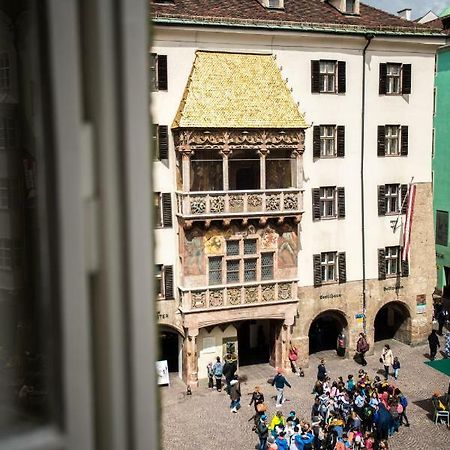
{"x":232,"y":248}
{"x":233,"y":271}
{"x":215,"y":270}
{"x":249,"y":246}
{"x":206,"y":171}
{"x":250,"y":270}
{"x":267,"y":266}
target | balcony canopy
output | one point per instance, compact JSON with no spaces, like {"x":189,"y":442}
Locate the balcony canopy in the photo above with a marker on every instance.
{"x":237,"y":90}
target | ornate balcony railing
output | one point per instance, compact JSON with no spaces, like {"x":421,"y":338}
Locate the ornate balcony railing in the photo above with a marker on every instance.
{"x":269,"y":202}
{"x":234,"y":295}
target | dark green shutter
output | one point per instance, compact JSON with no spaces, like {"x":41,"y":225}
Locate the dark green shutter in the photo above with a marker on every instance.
{"x":403,"y":199}
{"x":381,"y":200}
{"x":383,"y":78}
{"x":167,"y":209}
{"x":406,"y":79}
{"x":340,"y":148}
{"x":341,"y":77}
{"x":316,"y":204}
{"x":317,"y":270}
{"x":163,"y":140}
{"x":381,"y":264}
{"x":342,"y":266}
{"x":404,"y":141}
{"x":341,"y":202}
{"x":316,"y":142}
{"x":162,"y":72}
{"x":405,"y":266}
{"x":315,"y":76}
{"x":168,"y":282}
{"x":381,"y":142}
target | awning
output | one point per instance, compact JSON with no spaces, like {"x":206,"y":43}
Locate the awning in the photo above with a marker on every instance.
{"x":442,"y":365}
{"x":237,"y":90}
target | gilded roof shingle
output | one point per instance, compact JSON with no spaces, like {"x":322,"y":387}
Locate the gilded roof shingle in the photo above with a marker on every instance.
{"x":237,"y":90}
{"x":310,"y":15}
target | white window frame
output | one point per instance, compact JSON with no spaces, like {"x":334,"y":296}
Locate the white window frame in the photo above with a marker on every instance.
{"x":392,"y":261}
{"x":328,"y":267}
{"x":327,"y":202}
{"x":351,"y":9}
{"x":392,"y":141}
{"x":158,"y":210}
{"x":327,"y":76}
{"x":392,"y":193}
{"x":393,"y":78}
{"x":327,"y":141}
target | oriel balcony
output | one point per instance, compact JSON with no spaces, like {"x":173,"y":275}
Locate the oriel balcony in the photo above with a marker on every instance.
{"x":239,"y":295}
{"x":230,"y":204}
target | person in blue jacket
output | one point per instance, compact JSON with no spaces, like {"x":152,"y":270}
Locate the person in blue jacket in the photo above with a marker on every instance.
{"x":279,"y":382}
{"x":303,"y":439}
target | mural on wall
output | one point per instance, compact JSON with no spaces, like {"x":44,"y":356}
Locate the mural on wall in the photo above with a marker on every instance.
{"x":269,"y":239}
{"x":214,"y":241}
{"x":194,"y":261}
{"x":287,"y":247}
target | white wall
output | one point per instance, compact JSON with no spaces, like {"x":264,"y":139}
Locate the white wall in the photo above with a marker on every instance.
{"x":294,"y":52}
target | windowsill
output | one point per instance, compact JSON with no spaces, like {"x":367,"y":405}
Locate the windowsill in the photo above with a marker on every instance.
{"x":328,"y":283}
{"x":327,"y":218}
{"x":391,"y":214}
{"x":327,"y":157}
{"x":399,"y":94}
{"x":393,"y":275}
{"x":393,"y":155}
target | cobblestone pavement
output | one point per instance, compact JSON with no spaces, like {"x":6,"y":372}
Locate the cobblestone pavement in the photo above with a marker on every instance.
{"x":203,"y":421}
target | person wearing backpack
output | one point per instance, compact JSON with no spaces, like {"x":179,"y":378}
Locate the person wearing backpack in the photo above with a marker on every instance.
{"x":304,"y":441}
{"x":362,"y":347}
{"x":218,"y":372}
{"x":263,"y":432}
{"x":404,"y":402}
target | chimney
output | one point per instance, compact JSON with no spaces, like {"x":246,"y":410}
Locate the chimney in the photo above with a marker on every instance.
{"x":405,"y":13}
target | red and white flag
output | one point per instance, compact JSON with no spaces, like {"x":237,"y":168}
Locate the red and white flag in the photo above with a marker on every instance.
{"x":408,"y":222}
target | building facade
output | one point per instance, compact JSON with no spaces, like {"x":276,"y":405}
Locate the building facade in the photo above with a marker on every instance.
{"x":441,"y":185}
{"x":288,"y":136}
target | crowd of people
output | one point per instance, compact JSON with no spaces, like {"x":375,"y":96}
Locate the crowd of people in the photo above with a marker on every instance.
{"x":357,"y":413}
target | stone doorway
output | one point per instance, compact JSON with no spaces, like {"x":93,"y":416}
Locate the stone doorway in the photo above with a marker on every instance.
{"x":324,"y":331}
{"x":258,"y":341}
{"x":170,"y":348}
{"x":393,"y":321}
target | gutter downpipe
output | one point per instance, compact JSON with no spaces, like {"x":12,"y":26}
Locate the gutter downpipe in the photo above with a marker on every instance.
{"x":369,"y":38}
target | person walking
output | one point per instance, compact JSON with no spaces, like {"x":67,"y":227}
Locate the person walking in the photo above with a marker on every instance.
{"x":387,"y":359}
{"x":263,"y":432}
{"x":235,"y":394}
{"x":442,"y":318}
{"x":396,"y":367}
{"x":218,"y":372}
{"x":362,"y":347}
{"x":229,"y":369}
{"x":321,"y":371}
{"x":279,"y":382}
{"x":293,"y":357}
{"x":341,"y":344}
{"x":210,"y":371}
{"x":433,"y":342}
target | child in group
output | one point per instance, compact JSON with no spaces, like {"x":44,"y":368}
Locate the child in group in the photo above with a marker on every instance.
{"x":210,"y":370}
{"x":396,"y":367}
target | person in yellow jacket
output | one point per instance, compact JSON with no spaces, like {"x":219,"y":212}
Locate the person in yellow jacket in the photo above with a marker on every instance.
{"x":277,"y":420}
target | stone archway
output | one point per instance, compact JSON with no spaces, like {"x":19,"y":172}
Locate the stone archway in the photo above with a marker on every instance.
{"x":324,"y":330}
{"x":393,"y":321}
{"x":170,"y":342}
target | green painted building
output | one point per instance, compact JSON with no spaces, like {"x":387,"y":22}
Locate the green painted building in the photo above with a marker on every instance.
{"x":441,"y":168}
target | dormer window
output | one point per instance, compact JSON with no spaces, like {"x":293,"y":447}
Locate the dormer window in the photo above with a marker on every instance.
{"x":272,"y":4}
{"x":350,"y":6}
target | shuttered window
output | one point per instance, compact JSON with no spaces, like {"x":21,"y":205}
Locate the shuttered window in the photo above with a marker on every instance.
{"x":328,"y":141}
{"x":168,"y":282}
{"x":329,"y":267}
{"x":390,"y":263}
{"x":328,"y":76}
{"x":160,"y":135}
{"x":328,"y":203}
{"x":158,"y":72}
{"x":392,"y":199}
{"x":162,"y":209}
{"x":392,"y":140}
{"x":395,"y":79}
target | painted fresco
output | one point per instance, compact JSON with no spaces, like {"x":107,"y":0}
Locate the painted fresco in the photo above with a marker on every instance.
{"x":194,"y":260}
{"x":287,"y":247}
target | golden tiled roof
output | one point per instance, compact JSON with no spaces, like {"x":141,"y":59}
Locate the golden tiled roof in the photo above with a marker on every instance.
{"x":237,"y":90}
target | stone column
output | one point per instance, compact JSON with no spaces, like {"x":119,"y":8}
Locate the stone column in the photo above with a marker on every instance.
{"x":186,"y":170}
{"x":225,"y":152}
{"x":190,"y":358}
{"x":296,"y":169}
{"x":263,"y":152}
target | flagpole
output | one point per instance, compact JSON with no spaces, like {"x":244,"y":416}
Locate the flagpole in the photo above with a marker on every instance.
{"x":403,"y":204}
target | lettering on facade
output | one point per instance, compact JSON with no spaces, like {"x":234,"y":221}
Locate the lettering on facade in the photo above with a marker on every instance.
{"x":162,"y":316}
{"x":327,"y":296}
{"x":392,"y":288}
